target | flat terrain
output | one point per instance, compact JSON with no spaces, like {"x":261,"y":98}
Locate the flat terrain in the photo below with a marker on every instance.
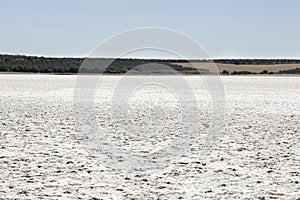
{"x":254,"y":156}
{"x":251,"y":68}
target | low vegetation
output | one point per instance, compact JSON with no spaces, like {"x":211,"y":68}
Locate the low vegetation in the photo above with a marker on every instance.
{"x":34,"y":64}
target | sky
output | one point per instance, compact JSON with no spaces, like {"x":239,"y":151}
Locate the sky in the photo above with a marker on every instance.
{"x":225,"y":28}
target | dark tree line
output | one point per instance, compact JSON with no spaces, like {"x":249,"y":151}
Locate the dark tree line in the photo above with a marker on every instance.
{"x":12,"y":63}
{"x":290,"y":71}
{"x":241,"y":61}
{"x":34,"y":64}
{"x":257,"y":61}
{"x":9,"y":63}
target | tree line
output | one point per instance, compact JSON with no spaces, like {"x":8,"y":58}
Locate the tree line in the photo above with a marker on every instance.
{"x":35,"y":64}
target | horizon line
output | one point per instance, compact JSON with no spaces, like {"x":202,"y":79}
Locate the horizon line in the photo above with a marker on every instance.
{"x":154,"y":58}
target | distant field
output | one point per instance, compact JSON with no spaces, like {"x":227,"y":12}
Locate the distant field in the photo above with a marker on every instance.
{"x":34,"y":64}
{"x":251,"y":68}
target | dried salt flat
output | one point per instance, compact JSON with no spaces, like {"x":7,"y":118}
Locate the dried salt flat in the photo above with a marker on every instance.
{"x":256,"y":155}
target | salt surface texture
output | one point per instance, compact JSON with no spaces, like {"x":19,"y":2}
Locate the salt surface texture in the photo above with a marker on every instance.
{"x":256,"y":156}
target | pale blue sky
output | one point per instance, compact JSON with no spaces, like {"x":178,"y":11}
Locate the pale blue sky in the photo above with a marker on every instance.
{"x":226,"y":28}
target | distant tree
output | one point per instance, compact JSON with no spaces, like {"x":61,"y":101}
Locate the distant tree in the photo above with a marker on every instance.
{"x":33,"y":69}
{"x":73,"y":69}
{"x":225,"y":72}
{"x":46,"y":70}
{"x":264,"y":72}
{"x":58,"y":70}
{"x":242,"y":72}
{"x":290,"y":71}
